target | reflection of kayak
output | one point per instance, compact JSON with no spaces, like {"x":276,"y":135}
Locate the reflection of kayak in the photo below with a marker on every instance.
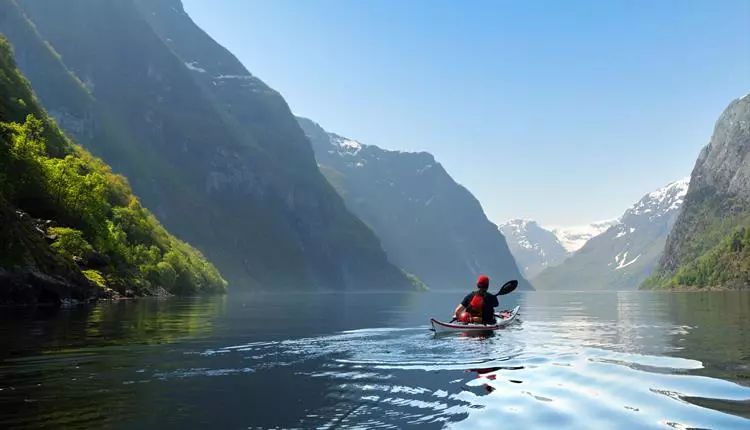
{"x":501,"y":320}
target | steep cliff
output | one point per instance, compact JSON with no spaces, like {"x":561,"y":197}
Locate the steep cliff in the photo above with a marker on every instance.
{"x":429,"y":225}
{"x":212,"y":150}
{"x":710,"y":243}
{"x":69,"y":228}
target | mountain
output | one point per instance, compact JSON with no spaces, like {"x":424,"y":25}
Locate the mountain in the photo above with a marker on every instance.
{"x":534,"y":247}
{"x":210,"y":148}
{"x":428,"y":224}
{"x":69,"y":227}
{"x":627,"y":252}
{"x":572,"y":238}
{"x":710,"y":243}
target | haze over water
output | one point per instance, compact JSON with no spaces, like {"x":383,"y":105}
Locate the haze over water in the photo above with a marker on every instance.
{"x":574,"y":360}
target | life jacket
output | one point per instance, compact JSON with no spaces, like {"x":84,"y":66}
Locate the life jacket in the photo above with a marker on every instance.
{"x":476,"y":305}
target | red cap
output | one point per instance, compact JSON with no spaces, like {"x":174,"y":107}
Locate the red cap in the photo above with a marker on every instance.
{"x":483,"y":281}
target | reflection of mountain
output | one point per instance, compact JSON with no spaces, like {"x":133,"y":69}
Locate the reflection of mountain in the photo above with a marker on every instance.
{"x":109,"y":323}
{"x":94,"y":355}
{"x":624,"y":321}
{"x":156,"y":321}
{"x":714,"y":328}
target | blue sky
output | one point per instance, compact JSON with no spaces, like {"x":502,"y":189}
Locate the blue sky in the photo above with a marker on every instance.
{"x":564,"y":112}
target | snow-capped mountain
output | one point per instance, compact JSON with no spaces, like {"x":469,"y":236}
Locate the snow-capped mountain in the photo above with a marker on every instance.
{"x":534,"y":247}
{"x":572,"y":238}
{"x":627,"y":252}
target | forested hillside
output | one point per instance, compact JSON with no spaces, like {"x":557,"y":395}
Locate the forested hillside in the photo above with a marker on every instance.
{"x":70,"y":227}
{"x":212,"y":150}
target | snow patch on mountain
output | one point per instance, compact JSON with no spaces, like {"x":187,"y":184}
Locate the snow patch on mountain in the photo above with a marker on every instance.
{"x":661,"y":201}
{"x":534,"y":247}
{"x":192,"y":65}
{"x":240,"y":77}
{"x":345,"y":146}
{"x":623,"y":255}
{"x":622,"y":260}
{"x":572,"y":238}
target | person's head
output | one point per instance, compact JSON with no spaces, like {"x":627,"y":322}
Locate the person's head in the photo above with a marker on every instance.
{"x":483,"y":283}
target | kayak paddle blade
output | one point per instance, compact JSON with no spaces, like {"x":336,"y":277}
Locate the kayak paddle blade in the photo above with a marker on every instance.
{"x":507,"y":288}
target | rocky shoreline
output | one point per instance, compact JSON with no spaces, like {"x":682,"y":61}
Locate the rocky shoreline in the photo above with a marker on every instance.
{"x":22,"y":288}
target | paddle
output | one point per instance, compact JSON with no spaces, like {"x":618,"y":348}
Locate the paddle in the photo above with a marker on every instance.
{"x":507,"y":288}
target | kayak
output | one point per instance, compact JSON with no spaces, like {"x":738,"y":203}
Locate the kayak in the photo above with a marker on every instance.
{"x":500,"y":322}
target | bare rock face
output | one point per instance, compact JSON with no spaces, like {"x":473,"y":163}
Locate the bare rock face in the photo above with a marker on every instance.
{"x":32,"y":273}
{"x":718,"y":199}
{"x":428,"y":224}
{"x":724,"y":165}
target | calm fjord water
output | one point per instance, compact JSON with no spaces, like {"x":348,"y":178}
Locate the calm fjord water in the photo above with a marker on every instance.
{"x":574,"y":360}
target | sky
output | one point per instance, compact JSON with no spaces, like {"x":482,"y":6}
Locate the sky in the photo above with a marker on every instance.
{"x":562,"y":112}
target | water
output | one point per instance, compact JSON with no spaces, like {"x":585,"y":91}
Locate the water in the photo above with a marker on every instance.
{"x":573,"y":360}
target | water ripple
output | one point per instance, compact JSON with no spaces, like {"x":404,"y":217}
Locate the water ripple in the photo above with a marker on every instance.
{"x":405,"y":376}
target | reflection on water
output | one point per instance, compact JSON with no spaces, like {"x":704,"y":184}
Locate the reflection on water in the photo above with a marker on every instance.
{"x":67,"y":367}
{"x":593,"y":360}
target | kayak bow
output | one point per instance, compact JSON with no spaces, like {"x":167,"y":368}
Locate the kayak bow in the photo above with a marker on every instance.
{"x":443,"y":327}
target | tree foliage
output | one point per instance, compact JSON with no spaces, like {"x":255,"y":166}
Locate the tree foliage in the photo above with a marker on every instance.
{"x":726,"y":264}
{"x":99,"y":214}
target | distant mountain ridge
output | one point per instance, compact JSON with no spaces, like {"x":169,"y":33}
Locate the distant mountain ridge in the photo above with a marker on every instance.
{"x":212,"y":150}
{"x":534,"y":247}
{"x":627,"y":252}
{"x":572,"y":238}
{"x":537,"y":248}
{"x":428,"y":224}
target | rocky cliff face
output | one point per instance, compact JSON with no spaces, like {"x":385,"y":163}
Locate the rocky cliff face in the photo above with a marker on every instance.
{"x":428,"y":224}
{"x":626,"y":253}
{"x":30,"y":271}
{"x":706,"y":248}
{"x":724,"y":165}
{"x":212,"y":150}
{"x":534,"y":247}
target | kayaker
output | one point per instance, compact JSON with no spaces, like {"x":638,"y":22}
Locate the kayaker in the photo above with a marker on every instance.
{"x":479,"y":306}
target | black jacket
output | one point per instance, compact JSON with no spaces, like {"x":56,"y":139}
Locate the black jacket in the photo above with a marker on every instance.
{"x":488,"y":310}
